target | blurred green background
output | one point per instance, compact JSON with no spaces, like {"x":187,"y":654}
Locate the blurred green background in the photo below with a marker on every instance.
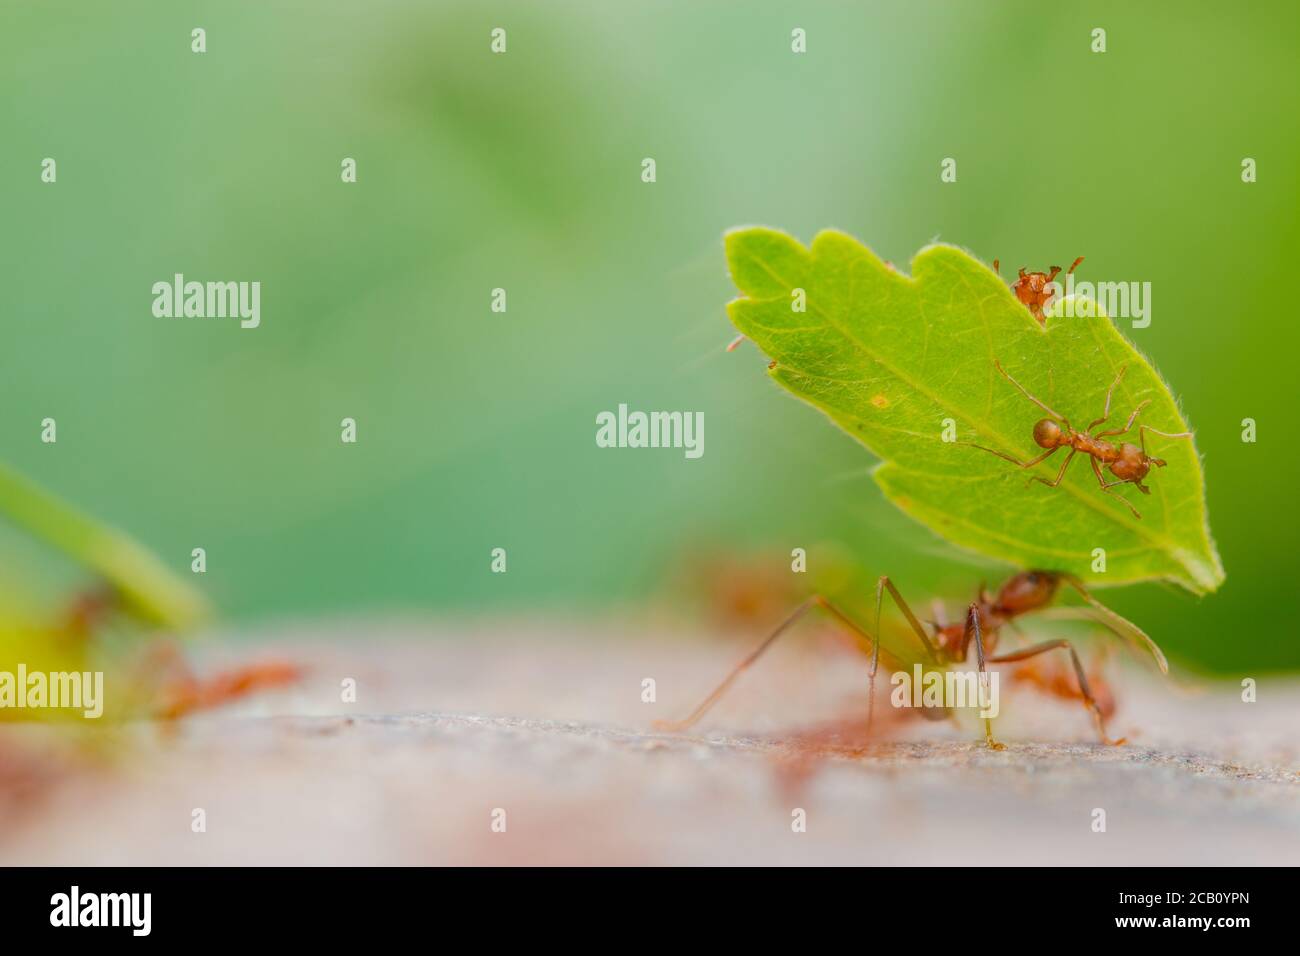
{"x":522,"y":171}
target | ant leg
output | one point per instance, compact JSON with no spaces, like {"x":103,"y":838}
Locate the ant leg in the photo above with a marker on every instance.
{"x":882,"y":585}
{"x":1024,"y":391}
{"x":1060,"y":474}
{"x":186,"y":693}
{"x":1107,"y":485}
{"x":1105,"y":414}
{"x":1074,"y":266}
{"x":1127,"y":425}
{"x":1084,"y":689}
{"x":996,"y":269}
{"x":815,"y":601}
{"x":972,"y":630}
{"x":902,"y":605}
{"x":1142,"y":432}
{"x":1015,"y":461}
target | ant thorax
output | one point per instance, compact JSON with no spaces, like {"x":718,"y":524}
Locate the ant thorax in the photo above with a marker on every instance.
{"x":1097,"y":447}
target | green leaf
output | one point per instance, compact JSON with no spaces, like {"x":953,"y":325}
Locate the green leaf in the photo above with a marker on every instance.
{"x":890,"y":357}
{"x":149,"y":590}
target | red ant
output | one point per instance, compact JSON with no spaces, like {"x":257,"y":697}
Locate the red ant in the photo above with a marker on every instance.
{"x":1024,"y":593}
{"x":1128,"y":463}
{"x":1031,"y":288}
{"x":161,"y":683}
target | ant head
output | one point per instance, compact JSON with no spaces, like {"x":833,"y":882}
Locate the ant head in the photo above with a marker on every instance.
{"x":1047,"y":433}
{"x":1034,"y":281}
{"x":1028,"y":591}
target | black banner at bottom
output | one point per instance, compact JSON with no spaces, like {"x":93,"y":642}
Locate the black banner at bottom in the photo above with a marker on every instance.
{"x":334,"y":905}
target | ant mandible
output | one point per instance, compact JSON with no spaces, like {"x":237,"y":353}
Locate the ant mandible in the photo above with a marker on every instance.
{"x":1128,"y":463}
{"x":1031,"y":288}
{"x":1024,"y":593}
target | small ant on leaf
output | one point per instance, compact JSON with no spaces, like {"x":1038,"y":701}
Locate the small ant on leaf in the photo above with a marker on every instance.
{"x":1031,"y":288}
{"x":1128,"y":463}
{"x":1024,"y":593}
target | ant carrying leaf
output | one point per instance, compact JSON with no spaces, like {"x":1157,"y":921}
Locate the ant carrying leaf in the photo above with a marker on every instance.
{"x":947,"y":644}
{"x":904,"y":364}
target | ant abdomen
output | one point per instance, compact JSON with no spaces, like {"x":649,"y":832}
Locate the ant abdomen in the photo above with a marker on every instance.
{"x":1131,"y":465}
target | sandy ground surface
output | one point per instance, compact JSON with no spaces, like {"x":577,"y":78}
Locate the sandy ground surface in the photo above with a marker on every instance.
{"x":454,"y":724}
